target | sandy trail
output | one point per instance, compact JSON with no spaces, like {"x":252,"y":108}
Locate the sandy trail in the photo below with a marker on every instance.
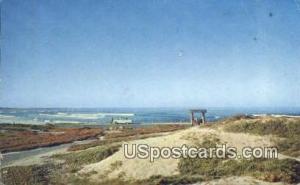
{"x":143,"y":168}
{"x":37,"y":155}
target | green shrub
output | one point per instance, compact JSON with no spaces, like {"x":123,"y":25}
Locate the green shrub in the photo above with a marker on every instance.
{"x":288,"y":130}
{"x":92,"y":155}
{"x":27,"y":175}
{"x":274,"y":127}
{"x":286,"y":170}
{"x":289,"y":146}
{"x":153,"y":180}
{"x":174,"y":180}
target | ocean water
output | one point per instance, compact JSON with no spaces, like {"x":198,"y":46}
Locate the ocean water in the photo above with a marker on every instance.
{"x":138,"y":115}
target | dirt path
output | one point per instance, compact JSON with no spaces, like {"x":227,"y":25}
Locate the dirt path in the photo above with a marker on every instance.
{"x":37,"y":155}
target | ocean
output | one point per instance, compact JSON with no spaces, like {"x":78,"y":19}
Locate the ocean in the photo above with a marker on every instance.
{"x":138,"y":115}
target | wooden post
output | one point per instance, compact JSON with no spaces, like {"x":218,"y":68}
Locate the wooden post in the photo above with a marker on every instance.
{"x":203,"y":117}
{"x":192,"y":118}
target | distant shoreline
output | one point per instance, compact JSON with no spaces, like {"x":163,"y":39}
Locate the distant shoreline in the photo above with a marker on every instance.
{"x":143,"y":116}
{"x":277,"y":115}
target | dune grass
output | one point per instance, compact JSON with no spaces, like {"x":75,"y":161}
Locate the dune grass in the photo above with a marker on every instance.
{"x":75,"y":160}
{"x":273,"y":170}
{"x":286,"y":170}
{"x":197,"y":170}
{"x":153,"y":180}
{"x":31,"y":175}
{"x":56,"y":173}
{"x":191,"y":170}
{"x":287,"y":129}
{"x":278,"y":127}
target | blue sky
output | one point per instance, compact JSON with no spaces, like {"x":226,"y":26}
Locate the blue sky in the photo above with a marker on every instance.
{"x":152,"y":53}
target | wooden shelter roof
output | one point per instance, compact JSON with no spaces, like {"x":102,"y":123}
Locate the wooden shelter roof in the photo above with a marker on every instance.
{"x":198,"y":110}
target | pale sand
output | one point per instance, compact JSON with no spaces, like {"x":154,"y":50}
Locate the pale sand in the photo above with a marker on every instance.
{"x":238,"y":181}
{"x":143,"y":168}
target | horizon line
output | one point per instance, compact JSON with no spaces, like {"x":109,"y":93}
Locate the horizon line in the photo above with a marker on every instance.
{"x":146,"y":107}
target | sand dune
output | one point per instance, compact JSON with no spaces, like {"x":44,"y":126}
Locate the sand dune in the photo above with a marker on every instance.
{"x":143,"y":168}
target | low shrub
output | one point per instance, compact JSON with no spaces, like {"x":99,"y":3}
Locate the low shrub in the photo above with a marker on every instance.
{"x":75,"y":160}
{"x":288,"y":130}
{"x":31,"y":175}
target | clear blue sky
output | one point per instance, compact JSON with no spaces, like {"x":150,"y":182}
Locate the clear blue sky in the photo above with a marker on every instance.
{"x":164,"y":53}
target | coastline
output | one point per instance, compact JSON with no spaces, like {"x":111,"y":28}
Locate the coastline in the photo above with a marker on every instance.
{"x":34,"y":154}
{"x":103,"y":157}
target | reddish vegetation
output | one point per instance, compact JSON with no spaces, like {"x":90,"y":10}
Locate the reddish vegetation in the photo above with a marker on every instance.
{"x":14,"y":140}
{"x":145,"y":130}
{"x":22,"y":137}
{"x":129,"y":134}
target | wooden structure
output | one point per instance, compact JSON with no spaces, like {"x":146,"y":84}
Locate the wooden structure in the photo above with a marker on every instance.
{"x":194,"y":119}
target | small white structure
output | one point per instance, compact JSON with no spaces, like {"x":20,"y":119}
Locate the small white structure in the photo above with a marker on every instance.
{"x":124,"y":120}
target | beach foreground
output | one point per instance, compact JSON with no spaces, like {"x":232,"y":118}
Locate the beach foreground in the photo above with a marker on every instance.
{"x":102,"y":159}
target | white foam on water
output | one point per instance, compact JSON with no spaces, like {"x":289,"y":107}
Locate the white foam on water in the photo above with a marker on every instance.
{"x":285,"y":115}
{"x":6,"y":116}
{"x":277,"y":115}
{"x":85,"y":115}
{"x":64,"y":121}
